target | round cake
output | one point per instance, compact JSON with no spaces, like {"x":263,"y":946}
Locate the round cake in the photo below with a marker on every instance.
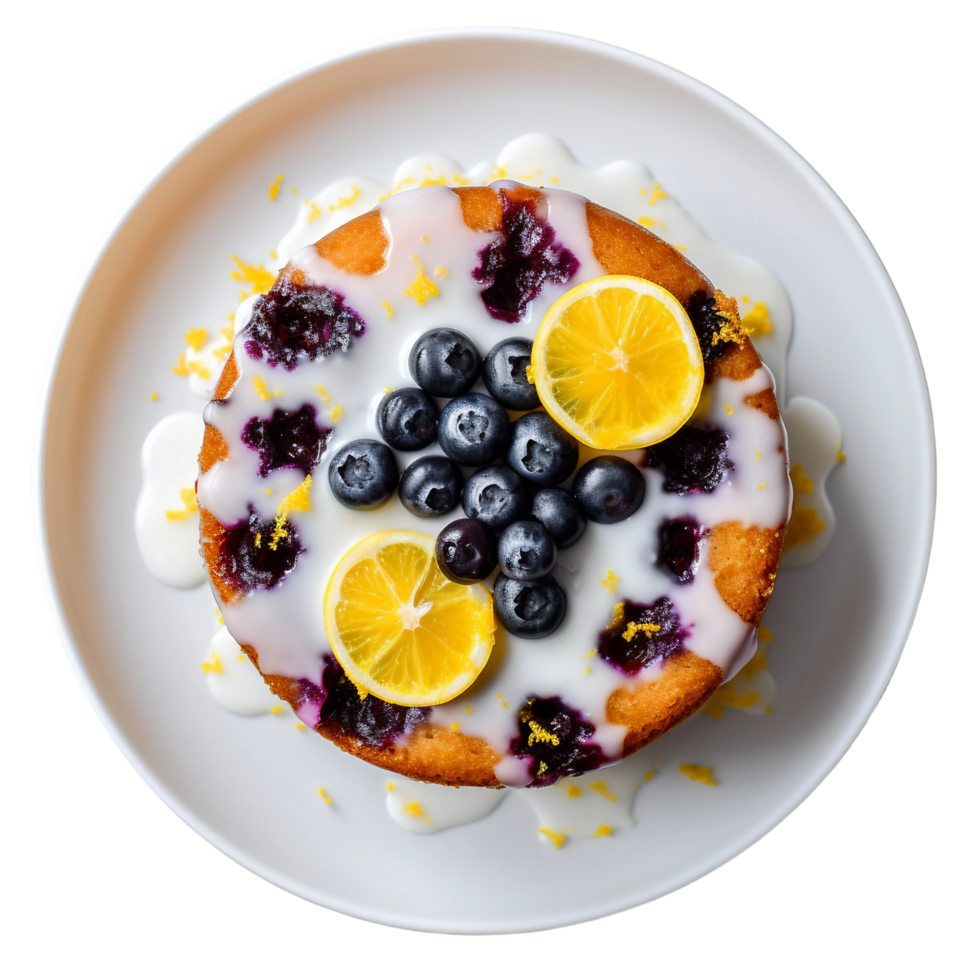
{"x":657,"y":608}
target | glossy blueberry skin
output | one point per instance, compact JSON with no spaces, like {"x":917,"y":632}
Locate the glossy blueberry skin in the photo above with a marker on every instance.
{"x":526,"y":552}
{"x":560,"y":514}
{"x":495,"y":495}
{"x":609,"y":489}
{"x":505,"y":374}
{"x":407,"y":419}
{"x":444,"y":362}
{"x":541,"y":450}
{"x":529,"y":609}
{"x":362,"y":474}
{"x":474,"y":429}
{"x":430,"y":486}
{"x":466,"y":551}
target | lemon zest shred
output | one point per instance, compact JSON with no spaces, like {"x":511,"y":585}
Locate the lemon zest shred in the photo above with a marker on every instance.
{"x":298,"y":499}
{"x":212,"y":666}
{"x":257,"y":276}
{"x":633,"y":628}
{"x":498,"y":173}
{"x":388,"y":308}
{"x":573,"y":791}
{"x":188,"y":498}
{"x":322,"y":793}
{"x":335,"y":413}
{"x":315,"y":212}
{"x":801,"y":482}
{"x":343,"y":202}
{"x":276,"y":709}
{"x":603,"y":830}
{"x":503,"y":703}
{"x":454,"y":726}
{"x":196,"y":338}
{"x":649,"y":775}
{"x":274,"y":187}
{"x":765,"y":634}
{"x":603,"y":790}
{"x":539,"y":734}
{"x":556,"y":838}
{"x":803,"y":526}
{"x":697,"y":774}
{"x":413,"y":809}
{"x":390,"y":786}
{"x":322,"y":392}
{"x":155,"y":396}
{"x":422,"y":288}
{"x":299,"y":726}
{"x":645,"y":221}
{"x":757,"y":320}
{"x":610,"y":582}
{"x":260,"y":388}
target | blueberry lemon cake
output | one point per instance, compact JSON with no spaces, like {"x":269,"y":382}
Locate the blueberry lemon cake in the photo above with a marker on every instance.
{"x":493,"y":486}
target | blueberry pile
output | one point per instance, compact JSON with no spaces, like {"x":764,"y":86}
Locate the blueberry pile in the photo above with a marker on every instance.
{"x":517,"y":515}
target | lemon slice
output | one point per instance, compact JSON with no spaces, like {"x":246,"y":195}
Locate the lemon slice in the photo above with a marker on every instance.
{"x":400,"y":629}
{"x":617,"y":364}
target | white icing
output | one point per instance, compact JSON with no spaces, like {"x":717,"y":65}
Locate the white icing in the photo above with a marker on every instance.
{"x":234,"y":682}
{"x":425,"y":808}
{"x":169,"y":545}
{"x":815,"y":441}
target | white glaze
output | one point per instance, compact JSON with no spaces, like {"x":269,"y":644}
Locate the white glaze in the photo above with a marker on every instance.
{"x":170,"y":546}
{"x":233,"y":682}
{"x":425,"y":808}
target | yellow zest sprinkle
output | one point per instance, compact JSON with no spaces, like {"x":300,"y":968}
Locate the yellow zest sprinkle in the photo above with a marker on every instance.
{"x":462,"y":181}
{"x":679,"y":248}
{"x":298,"y":499}
{"x":768,"y":709}
{"x":469,"y":711}
{"x":604,"y":830}
{"x":645,"y":221}
{"x":454,"y":726}
{"x":539,"y":734}
{"x":591,"y":653}
{"x":699,"y":774}
{"x":542,"y":767}
{"x":610,"y":582}
{"x":726,"y":697}
{"x":196,"y":338}
{"x":757,"y":320}
{"x":299,"y":726}
{"x":422,"y":288}
{"x":633,"y":628}
{"x":499,"y":173}
{"x":603,"y":790}
{"x":729,"y":410}
{"x":761,"y":486}
{"x":388,"y":308}
{"x":344,"y":201}
{"x":268,"y":491}
{"x":222,"y":352}
{"x":840,"y":457}
{"x":425,"y":239}
{"x":440,"y":271}
{"x":554,"y":180}
{"x":503,"y":703}
{"x":765,"y":634}
{"x":390,"y":786}
{"x":525,"y":176}
{"x":415,"y":258}
{"x":189,"y":499}
{"x":758,"y":454}
{"x":154,"y":397}
{"x":552,"y":835}
{"x":387,"y":389}
{"x":801,"y":482}
{"x":649,"y":775}
{"x":274,"y":188}
{"x":258,"y":539}
{"x":221,"y":620}
{"x":335,"y":413}
{"x":182,"y":368}
{"x":573,"y":791}
{"x":430,"y":182}
{"x":656,"y":194}
{"x":315,"y":212}
{"x":414,"y":810}
{"x":229,"y":331}
{"x":588,"y":670}
{"x":804,"y":525}
{"x":758,"y":662}
{"x":257,"y":276}
{"x":273,"y":255}
{"x":260,"y":388}
{"x":323,"y":795}
{"x":212,"y":666}
{"x":322,"y":392}
{"x":276,"y":709}
{"x":293,"y":189}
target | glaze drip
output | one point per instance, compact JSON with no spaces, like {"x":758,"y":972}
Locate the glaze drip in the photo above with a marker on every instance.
{"x":693,"y":460}
{"x":287,"y":440}
{"x":640,"y":635}
{"x":522,"y":258}
{"x":296,"y":319}
{"x":256,"y":554}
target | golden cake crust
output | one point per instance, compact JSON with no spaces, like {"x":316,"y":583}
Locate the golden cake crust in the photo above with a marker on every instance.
{"x":743,"y":559}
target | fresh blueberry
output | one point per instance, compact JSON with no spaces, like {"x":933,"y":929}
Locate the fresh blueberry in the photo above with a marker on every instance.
{"x":407,"y":419}
{"x":444,"y":362}
{"x":693,"y":460}
{"x":541,"y":450}
{"x":529,"y":609}
{"x":560,"y":514}
{"x":526,"y":552}
{"x":473,"y":429}
{"x":505,"y":374}
{"x":363,"y":473}
{"x":495,"y":495}
{"x":609,"y":489}
{"x":431,"y":486}
{"x":678,"y":548}
{"x":466,"y":551}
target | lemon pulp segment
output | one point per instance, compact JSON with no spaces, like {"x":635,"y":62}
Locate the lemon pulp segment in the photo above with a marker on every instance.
{"x":399,"y":628}
{"x":617,"y":364}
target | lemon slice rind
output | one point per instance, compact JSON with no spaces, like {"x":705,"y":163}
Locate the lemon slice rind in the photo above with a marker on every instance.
{"x":372,"y":639}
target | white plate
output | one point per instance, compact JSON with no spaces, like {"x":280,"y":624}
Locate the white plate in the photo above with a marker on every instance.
{"x":248,"y":785}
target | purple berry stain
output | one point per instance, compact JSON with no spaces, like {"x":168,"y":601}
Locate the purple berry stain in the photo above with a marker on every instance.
{"x":707,"y":320}
{"x":287,"y":440}
{"x":641,"y":634}
{"x":554,"y":736}
{"x":294,"y":320}
{"x":678,"y":548}
{"x":256,"y":554}
{"x":369,"y":719}
{"x":693,"y":460}
{"x":521,"y":259}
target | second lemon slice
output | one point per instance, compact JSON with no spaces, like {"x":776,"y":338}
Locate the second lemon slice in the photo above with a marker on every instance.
{"x":617,"y":363}
{"x":399,"y":628}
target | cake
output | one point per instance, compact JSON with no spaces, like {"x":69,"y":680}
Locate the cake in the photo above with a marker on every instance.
{"x":659,"y":605}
